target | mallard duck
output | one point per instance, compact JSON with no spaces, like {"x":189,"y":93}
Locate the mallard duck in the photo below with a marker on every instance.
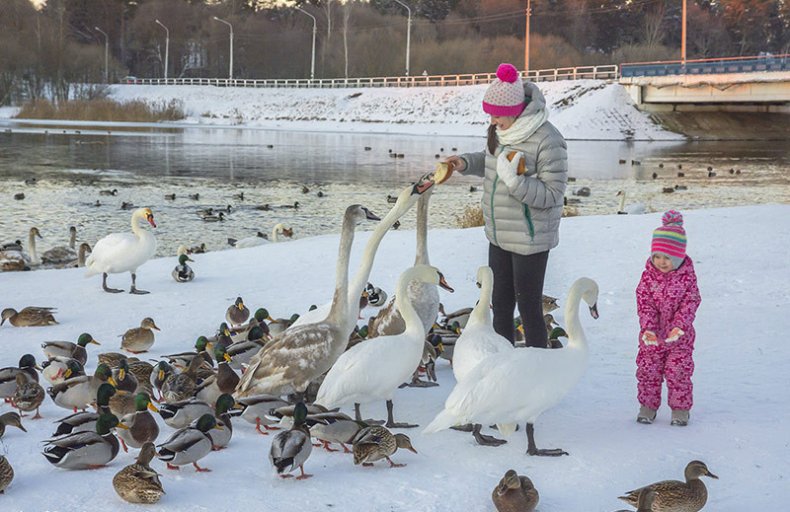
{"x":62,"y":253}
{"x":69,"y":349}
{"x":54,"y":368}
{"x":242,"y":352}
{"x":237,"y":314}
{"x":674,"y":495}
{"x":549,"y":304}
{"x":85,"y":450}
{"x":78,"y":392}
{"x":376,"y":296}
{"x":142,"y":371}
{"x":142,"y":426}
{"x":181,"y":414}
{"x":222,"y":337}
{"x":460,"y":315}
{"x":645,"y":502}
{"x":519,"y":385}
{"x":112,"y":359}
{"x":86,"y":421}
{"x":8,"y":383}
{"x":161,"y":373}
{"x":182,"y":272}
{"x":182,"y":359}
{"x":278,"y":326}
{"x":138,"y":483}
{"x":334,"y":427}
{"x":10,"y":419}
{"x":515,"y":493}
{"x":256,"y":408}
{"x":289,"y":362}
{"x":123,"y":252}
{"x":221,"y":438}
{"x":28,"y":396}
{"x":377,"y":442}
{"x":188,"y":445}
{"x":123,"y":379}
{"x":359,"y":376}
{"x":291,"y":448}
{"x":139,"y":339}
{"x":224,"y":380}
{"x":30,"y":316}
{"x":182,"y":386}
{"x":6,"y":473}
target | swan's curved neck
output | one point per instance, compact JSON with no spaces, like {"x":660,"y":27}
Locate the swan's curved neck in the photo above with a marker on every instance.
{"x":340,"y":302}
{"x":136,"y":229}
{"x":622,"y":202}
{"x":402,"y":302}
{"x":73,"y":238}
{"x":576,"y":337}
{"x":81,"y":255}
{"x":421,"y":258}
{"x":276,"y":233}
{"x":363,"y":273}
{"x":481,"y":314}
{"x":31,"y":242}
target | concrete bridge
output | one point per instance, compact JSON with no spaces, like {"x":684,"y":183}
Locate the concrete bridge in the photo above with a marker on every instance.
{"x":749,"y":84}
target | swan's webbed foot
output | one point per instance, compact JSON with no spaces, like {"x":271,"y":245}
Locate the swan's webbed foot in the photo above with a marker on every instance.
{"x":532,"y":449}
{"x":134,"y":290}
{"x":107,"y":288}
{"x":485,"y":440}
{"x":391,"y":423}
{"x":464,"y":428}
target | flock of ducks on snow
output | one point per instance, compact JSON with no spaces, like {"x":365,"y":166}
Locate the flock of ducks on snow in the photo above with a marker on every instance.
{"x":297,"y":372}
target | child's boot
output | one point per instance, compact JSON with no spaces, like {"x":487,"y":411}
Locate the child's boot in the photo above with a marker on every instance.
{"x":680,"y":417}
{"x":646,"y":415}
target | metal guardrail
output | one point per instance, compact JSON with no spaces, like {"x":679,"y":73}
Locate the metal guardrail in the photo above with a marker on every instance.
{"x":607,"y":72}
{"x":707,"y":66}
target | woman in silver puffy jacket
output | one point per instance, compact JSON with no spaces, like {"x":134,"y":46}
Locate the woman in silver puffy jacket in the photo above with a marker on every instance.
{"x":525,"y":171}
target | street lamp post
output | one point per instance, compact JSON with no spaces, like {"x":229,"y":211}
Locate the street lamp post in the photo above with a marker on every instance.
{"x":526,"y":40}
{"x":315,"y":29}
{"x":230,"y":66}
{"x":106,"y":55}
{"x":167,"y":45}
{"x":408,"y":34}
{"x":683,"y":35}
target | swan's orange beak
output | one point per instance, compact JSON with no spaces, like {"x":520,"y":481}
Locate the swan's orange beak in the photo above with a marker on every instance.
{"x":150,"y":218}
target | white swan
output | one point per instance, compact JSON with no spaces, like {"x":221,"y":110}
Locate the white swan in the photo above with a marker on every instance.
{"x":261,"y":238}
{"x":13,"y":257}
{"x":373,"y":370}
{"x":290,"y":361}
{"x":423,"y":297}
{"x":123,"y":252}
{"x":62,"y":253}
{"x":478,"y":341}
{"x":405,"y":201}
{"x":631,"y":209}
{"x":519,"y":385}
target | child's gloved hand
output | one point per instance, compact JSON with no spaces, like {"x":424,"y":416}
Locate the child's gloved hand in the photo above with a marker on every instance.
{"x":674,"y":334}
{"x":649,"y":338}
{"x":508,"y":170}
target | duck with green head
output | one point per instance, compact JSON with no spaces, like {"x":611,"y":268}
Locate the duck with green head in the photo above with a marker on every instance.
{"x":181,"y":414}
{"x":190,"y":444}
{"x":138,"y":483}
{"x":237,"y":314}
{"x":161,"y":372}
{"x":221,"y":438}
{"x":69,"y":349}
{"x":27,"y":368}
{"x":224,"y":380}
{"x":291,"y":448}
{"x":86,"y":421}
{"x":142,"y":426}
{"x":78,"y":392}
{"x":85,"y":450}
{"x":182,"y":272}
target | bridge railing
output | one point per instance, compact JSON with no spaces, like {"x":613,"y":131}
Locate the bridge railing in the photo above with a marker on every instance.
{"x":608,"y":72}
{"x":753,"y":64}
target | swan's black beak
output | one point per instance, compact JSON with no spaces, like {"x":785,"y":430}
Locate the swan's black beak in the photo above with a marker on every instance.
{"x":444,"y":284}
{"x":594,"y":310}
{"x":370,"y":215}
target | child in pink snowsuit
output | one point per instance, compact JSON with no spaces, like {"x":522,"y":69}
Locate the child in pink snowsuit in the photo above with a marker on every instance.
{"x":667,"y":299}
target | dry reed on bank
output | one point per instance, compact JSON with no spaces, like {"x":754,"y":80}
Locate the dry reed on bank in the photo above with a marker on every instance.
{"x":472,"y":217}
{"x":102,"y":109}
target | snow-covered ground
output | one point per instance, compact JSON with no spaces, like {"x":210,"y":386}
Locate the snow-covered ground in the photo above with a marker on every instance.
{"x":581,"y":109}
{"x":738,"y":424}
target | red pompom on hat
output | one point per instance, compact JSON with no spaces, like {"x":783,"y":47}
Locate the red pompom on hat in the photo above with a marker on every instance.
{"x":505,"y":95}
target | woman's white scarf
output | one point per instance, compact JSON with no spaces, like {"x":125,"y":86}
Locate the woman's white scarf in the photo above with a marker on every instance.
{"x":522,"y":129}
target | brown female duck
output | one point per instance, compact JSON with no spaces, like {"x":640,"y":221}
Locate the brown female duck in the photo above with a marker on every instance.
{"x":515,"y":493}
{"x":676,"y":496}
{"x":138,"y":483}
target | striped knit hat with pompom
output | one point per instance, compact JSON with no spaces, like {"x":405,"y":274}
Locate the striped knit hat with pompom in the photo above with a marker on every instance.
{"x":670,"y":238}
{"x":505,"y":95}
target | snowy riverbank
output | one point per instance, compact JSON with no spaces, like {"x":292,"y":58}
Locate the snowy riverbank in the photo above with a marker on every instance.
{"x":741,"y":402}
